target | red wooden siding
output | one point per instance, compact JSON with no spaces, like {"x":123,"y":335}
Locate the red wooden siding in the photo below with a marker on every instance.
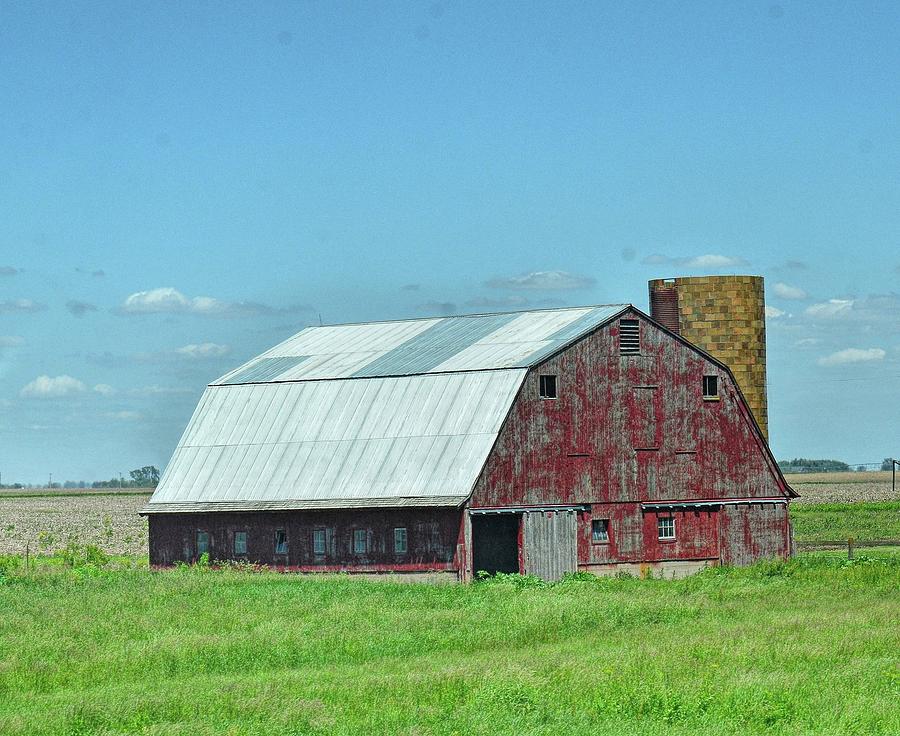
{"x":632,"y":429}
{"x":432,"y":538}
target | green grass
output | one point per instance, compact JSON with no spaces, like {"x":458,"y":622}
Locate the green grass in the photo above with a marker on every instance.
{"x":808,"y":646}
{"x":838,"y":521}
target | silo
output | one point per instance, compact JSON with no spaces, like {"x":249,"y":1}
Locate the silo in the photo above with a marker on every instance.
{"x":725,"y":316}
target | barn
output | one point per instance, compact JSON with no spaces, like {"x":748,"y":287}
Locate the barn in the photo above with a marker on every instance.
{"x":541,"y":442}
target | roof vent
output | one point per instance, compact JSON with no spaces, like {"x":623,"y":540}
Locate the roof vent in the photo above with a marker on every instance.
{"x":629,"y":337}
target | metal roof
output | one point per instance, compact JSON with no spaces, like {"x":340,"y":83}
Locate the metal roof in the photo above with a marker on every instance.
{"x":411,"y":347}
{"x":376,"y":414}
{"x":394,"y":441}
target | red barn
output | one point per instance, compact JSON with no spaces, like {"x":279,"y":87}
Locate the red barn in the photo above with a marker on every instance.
{"x":538,"y":442}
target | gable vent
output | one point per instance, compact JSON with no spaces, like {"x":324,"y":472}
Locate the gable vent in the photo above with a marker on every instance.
{"x":629,"y":337}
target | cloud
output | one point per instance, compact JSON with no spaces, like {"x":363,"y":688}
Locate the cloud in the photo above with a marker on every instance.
{"x":21,"y":305}
{"x":785,"y":291}
{"x":125,"y":416}
{"x":807,"y":342}
{"x":831,"y":308}
{"x":98,"y":273}
{"x":155,"y":390}
{"x":445,"y":309}
{"x":410,"y":287}
{"x":852,"y":355}
{"x":543,"y":281}
{"x":796,"y":265}
{"x":167,"y":300}
{"x":8,"y":271}
{"x":514,"y":301}
{"x":628,"y":254}
{"x":104,"y":389}
{"x":709,"y":261}
{"x":774,"y":312}
{"x":79,"y":309}
{"x":11,"y":341}
{"x":45,"y":387}
{"x":203,"y":351}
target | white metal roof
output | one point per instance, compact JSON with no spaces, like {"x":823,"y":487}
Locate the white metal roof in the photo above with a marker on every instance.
{"x":377,"y":414}
{"x":408,"y":347}
{"x":312,"y":444}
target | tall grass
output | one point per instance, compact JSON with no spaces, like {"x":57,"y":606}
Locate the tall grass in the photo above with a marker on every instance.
{"x":838,"y":521}
{"x":807,"y":646}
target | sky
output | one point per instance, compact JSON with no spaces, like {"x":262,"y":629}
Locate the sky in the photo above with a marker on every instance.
{"x":183,"y":185}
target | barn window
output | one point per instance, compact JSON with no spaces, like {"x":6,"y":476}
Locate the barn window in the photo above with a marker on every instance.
{"x":400,"y":540}
{"x":202,"y":543}
{"x":318,"y":541}
{"x":600,"y":531}
{"x":240,"y":543}
{"x":629,"y":337}
{"x":665,"y":527}
{"x":711,"y":388}
{"x":281,"y":546}
{"x":547,"y":389}
{"x":360,"y":541}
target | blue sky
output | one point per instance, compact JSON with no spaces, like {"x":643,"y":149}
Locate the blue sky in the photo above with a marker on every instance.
{"x":183,"y":185}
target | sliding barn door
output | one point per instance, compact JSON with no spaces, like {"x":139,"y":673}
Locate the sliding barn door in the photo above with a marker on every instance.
{"x":549,"y":543}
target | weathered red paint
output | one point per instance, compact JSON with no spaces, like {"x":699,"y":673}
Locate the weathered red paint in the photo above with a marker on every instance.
{"x":432,"y":538}
{"x":632,"y":429}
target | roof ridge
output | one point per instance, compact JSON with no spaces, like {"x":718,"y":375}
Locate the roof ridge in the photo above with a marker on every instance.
{"x":465,"y":316}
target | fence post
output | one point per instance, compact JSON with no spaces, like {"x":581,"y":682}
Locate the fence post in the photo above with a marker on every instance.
{"x":850,"y":548}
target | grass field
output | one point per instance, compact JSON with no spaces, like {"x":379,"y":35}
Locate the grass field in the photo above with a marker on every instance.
{"x":838,"y":521}
{"x":804,"y":647}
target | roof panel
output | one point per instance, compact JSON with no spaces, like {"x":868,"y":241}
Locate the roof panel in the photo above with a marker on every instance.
{"x":386,"y":439}
{"x":413,"y":347}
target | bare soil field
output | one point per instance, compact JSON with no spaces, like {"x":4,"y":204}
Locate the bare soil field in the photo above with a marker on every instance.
{"x":47,"y":523}
{"x":842,"y":487}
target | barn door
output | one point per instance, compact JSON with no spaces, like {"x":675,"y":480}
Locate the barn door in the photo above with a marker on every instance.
{"x":549,"y":543}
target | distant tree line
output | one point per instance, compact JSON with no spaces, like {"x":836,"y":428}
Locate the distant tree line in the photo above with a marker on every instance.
{"x":146,"y":477}
{"x":808,"y":465}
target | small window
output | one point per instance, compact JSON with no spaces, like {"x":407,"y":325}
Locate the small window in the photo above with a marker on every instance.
{"x":629,"y":337}
{"x":711,"y":387}
{"x":600,"y":531}
{"x":281,"y":546}
{"x":360,"y":541}
{"x":202,"y":543}
{"x":548,"y":387}
{"x":665,"y":527}
{"x":240,"y":543}
{"x":400,"y":540}
{"x":318,"y":541}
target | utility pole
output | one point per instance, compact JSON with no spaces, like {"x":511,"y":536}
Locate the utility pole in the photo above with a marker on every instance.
{"x":894,"y":464}
{"x":50,"y":482}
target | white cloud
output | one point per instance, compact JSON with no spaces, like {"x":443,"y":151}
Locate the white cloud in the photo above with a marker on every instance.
{"x":774,"y":312}
{"x":543,"y":281}
{"x":852,"y":355}
{"x":45,"y":387}
{"x":167,"y":300}
{"x":807,"y":342}
{"x":155,"y":390}
{"x":21,"y":305}
{"x":203,"y":350}
{"x":104,"y":389}
{"x":126,"y":416}
{"x":831,"y":308}
{"x":785,"y":291}
{"x":11,"y":341}
{"x":707,"y":262}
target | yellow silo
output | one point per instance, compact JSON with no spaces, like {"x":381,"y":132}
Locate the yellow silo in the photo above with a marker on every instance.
{"x":726,"y":317}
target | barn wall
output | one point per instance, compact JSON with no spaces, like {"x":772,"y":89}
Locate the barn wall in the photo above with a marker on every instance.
{"x":632,"y":429}
{"x":433,"y":536}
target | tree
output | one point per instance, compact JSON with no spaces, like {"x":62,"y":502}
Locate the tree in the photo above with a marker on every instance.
{"x":887,"y":463}
{"x":145,"y":477}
